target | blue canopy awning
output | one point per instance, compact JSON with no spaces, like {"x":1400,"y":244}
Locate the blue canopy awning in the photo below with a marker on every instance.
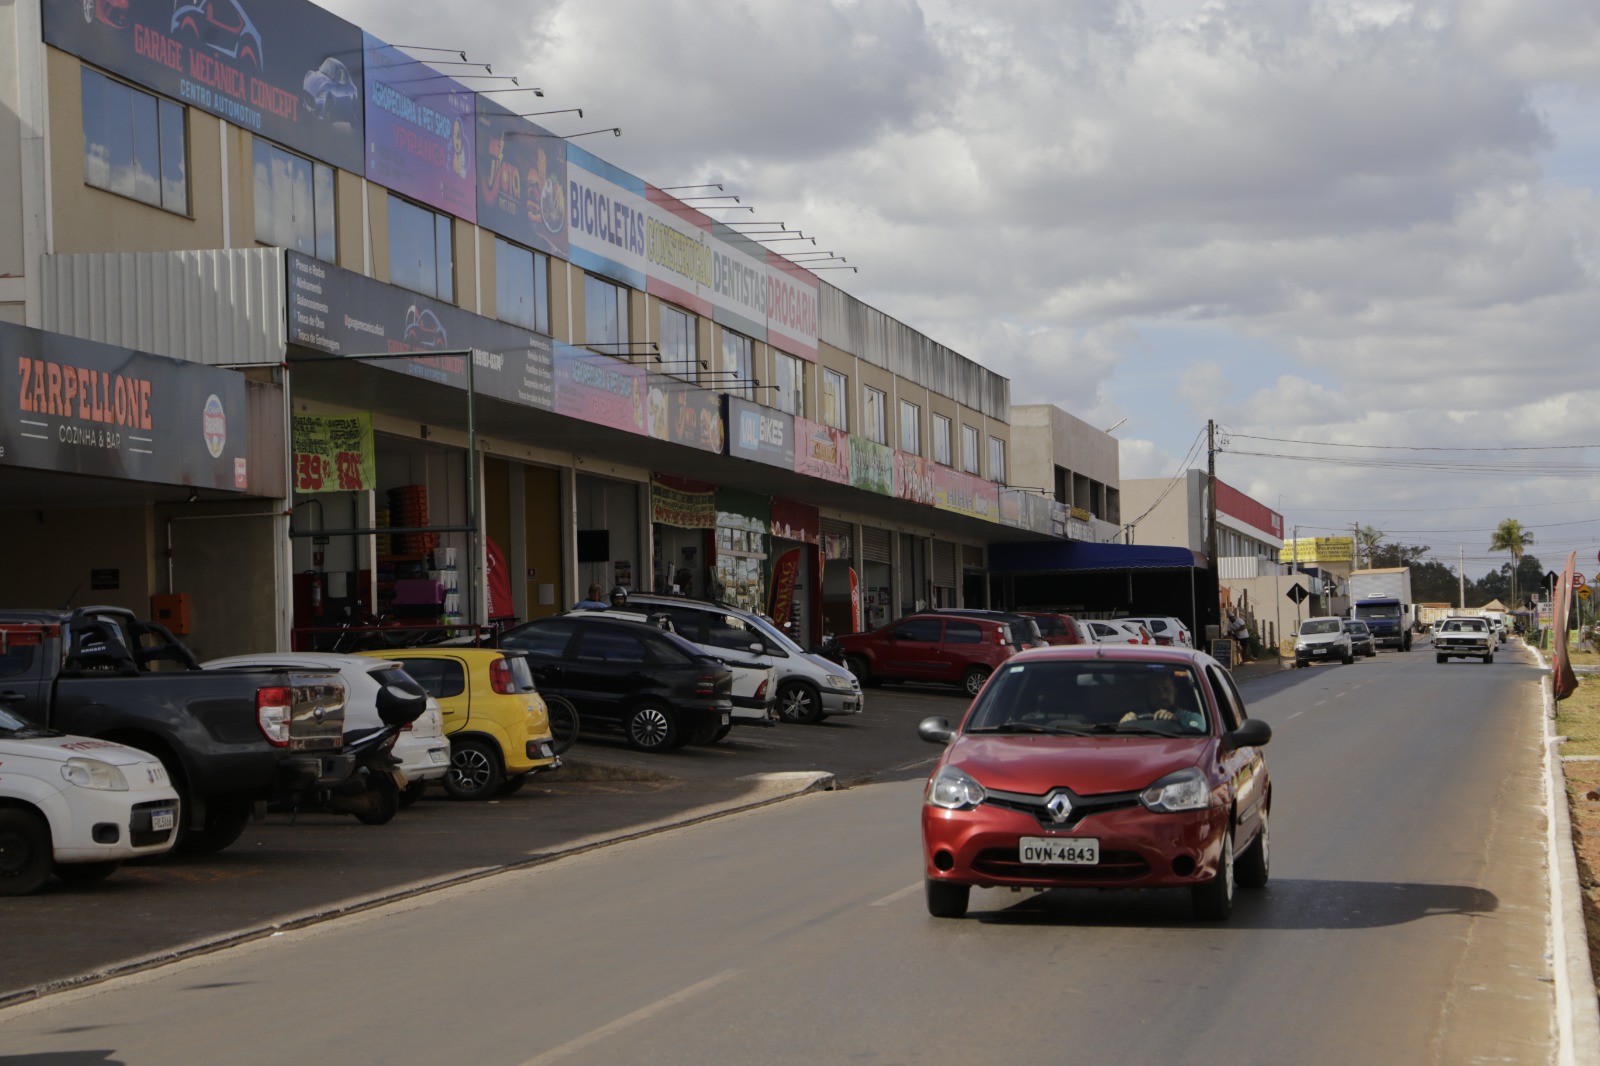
{"x":1078,"y":555}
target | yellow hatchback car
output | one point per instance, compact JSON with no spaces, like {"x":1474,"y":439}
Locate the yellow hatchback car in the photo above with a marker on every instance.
{"x":493,"y":714}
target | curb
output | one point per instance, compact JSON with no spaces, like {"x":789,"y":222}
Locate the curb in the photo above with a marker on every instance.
{"x":1577,"y":1011}
{"x":792,"y":785}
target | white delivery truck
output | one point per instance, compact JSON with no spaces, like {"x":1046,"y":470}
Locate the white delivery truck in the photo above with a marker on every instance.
{"x":1382,"y":599}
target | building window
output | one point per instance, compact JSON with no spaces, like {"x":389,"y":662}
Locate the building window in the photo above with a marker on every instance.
{"x":522,"y":286}
{"x":134,"y":144}
{"x":941,"y":439}
{"x":997,"y":460}
{"x":294,"y":202}
{"x":678,"y":344}
{"x":738,"y":353}
{"x":910,"y":427}
{"x":874,"y":416}
{"x":605,"y":315}
{"x":789,"y":374}
{"x":834,"y":408}
{"x":969,"y":449}
{"x":421,"y":254}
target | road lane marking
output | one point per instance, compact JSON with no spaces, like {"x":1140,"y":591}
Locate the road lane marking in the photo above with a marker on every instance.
{"x":896,"y":897}
{"x":1297,"y":714}
{"x":643,"y":1013}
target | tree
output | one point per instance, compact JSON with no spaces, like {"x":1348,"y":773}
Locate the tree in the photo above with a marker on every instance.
{"x":1509,"y":536}
{"x":1369,"y":542}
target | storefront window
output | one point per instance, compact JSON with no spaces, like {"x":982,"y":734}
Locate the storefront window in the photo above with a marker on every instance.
{"x":789,"y":374}
{"x":421,"y":257}
{"x":737,"y":357}
{"x":294,"y":202}
{"x":678,"y":342}
{"x":941,"y":439}
{"x":741,"y":557}
{"x":834,"y":409}
{"x":522,"y":286}
{"x":605,"y":315}
{"x":134,"y":144}
{"x":873,"y":415}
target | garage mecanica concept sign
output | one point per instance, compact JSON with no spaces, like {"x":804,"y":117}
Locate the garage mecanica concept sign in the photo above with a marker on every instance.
{"x":80,"y":407}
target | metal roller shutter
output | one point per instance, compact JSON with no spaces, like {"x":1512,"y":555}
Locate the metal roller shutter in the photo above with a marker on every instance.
{"x":875,"y":545}
{"x":944,"y":563}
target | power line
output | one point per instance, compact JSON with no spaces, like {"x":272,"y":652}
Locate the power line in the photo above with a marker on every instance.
{"x":1421,"y":447}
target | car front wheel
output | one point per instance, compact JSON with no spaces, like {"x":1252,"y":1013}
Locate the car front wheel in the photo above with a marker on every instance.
{"x":1255,"y":866}
{"x":946,"y":900}
{"x":1440,"y":658}
{"x":1213,"y":900}
{"x":25,"y":852}
{"x":799,"y":702}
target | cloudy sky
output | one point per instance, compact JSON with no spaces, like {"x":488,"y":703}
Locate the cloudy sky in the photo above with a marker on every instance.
{"x":1346,"y":222}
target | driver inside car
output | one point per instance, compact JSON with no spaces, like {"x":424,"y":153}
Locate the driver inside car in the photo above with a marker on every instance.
{"x":1165,"y":703}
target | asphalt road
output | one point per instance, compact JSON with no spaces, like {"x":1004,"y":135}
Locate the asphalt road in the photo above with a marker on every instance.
{"x":1405,"y":923}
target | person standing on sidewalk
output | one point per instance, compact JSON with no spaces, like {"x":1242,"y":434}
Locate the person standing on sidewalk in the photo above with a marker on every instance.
{"x":1240,"y":632}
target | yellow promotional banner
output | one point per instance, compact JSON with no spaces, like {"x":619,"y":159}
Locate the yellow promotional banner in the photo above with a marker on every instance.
{"x":1318,"y":550}
{"x":334,"y":453}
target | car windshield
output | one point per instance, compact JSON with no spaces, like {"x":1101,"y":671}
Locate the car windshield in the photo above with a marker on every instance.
{"x":1358,"y":628}
{"x":1382,"y":610}
{"x":1091,"y":697}
{"x":1463,"y":625}
{"x":1316,"y":626}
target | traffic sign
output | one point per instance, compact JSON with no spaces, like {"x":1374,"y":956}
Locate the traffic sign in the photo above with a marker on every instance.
{"x":1583,"y":592}
{"x":1579,"y":579}
{"x":1297,"y":593}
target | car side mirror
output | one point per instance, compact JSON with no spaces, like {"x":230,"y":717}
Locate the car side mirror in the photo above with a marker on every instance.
{"x":936,"y":730}
{"x":1253,"y":734}
{"x":757,"y":647}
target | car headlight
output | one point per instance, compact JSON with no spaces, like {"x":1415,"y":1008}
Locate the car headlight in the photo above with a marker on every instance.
{"x":835,"y":681}
{"x":954,"y":790}
{"x":1185,"y":790}
{"x":92,"y":773}
{"x":1302,"y":646}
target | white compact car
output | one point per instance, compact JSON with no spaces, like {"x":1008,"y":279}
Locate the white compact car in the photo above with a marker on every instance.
{"x":76,"y":807}
{"x":421,"y":747}
{"x":1323,"y":639}
{"x":1114,"y":631}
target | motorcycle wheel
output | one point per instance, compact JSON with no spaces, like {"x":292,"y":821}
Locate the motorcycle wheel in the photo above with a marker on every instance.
{"x":385,"y":796}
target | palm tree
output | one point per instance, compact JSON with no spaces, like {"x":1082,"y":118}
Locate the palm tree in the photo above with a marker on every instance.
{"x":1509,"y":536}
{"x":1368,"y":540}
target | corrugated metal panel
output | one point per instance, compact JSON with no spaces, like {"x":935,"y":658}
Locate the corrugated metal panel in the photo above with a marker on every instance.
{"x":264,"y":401}
{"x":875,"y":545}
{"x":207,"y":306}
{"x":944,"y":563}
{"x":869,"y":334}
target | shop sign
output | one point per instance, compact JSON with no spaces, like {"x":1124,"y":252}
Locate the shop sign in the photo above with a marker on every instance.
{"x":334,"y":453}
{"x":792,"y":520}
{"x":739,"y":282}
{"x":1318,"y":550}
{"x":792,"y":301}
{"x":1011,"y":505}
{"x":421,"y":128}
{"x":1081,"y":514}
{"x":913,"y":477}
{"x":785,"y":572}
{"x":683,"y":508}
{"x":821,"y":451}
{"x":681,"y":413}
{"x":871,"y":465}
{"x":963,"y":493}
{"x":283,"y":69}
{"x":81,"y":407}
{"x":522,"y":179}
{"x":1079,"y":530}
{"x":677,"y":242}
{"x":605,"y":219}
{"x":760,"y":434}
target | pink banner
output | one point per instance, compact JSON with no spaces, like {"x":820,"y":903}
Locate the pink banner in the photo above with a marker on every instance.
{"x":965,"y":494}
{"x":913,"y":477}
{"x":821,"y":451}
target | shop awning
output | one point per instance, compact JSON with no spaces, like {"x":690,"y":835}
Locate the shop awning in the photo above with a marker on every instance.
{"x":1078,"y":555}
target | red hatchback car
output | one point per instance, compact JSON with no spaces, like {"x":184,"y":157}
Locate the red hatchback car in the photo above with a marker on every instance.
{"x":1099,"y":767}
{"x":963,"y":650}
{"x":1058,"y":630}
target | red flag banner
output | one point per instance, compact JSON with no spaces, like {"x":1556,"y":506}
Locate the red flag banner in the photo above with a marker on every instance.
{"x":498,"y":581}
{"x":785,"y":570}
{"x":1563,"y":681}
{"x":855,"y":602}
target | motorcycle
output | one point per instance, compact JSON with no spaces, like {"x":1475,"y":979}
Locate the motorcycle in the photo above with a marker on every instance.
{"x":830,"y":649}
{"x":372,"y":791}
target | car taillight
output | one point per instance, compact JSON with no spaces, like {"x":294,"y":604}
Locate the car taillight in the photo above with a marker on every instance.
{"x":761,"y":690}
{"x":500,"y":677}
{"x":274,"y":709}
{"x":1002,"y":637}
{"x":705,"y":684}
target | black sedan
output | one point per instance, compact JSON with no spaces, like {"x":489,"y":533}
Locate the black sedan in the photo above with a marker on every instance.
{"x":654,"y":686}
{"x":1361,"y":642}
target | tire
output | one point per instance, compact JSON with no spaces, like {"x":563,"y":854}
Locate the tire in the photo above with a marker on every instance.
{"x":225,"y":822}
{"x":386,"y":800}
{"x":858,"y":666}
{"x":26,"y":857}
{"x":946,"y":900}
{"x":652,"y":727}
{"x":83,"y":873}
{"x":563,"y":723}
{"x":513,"y":785}
{"x":1440,"y":658}
{"x":474,"y":772}
{"x":799,"y":702}
{"x":973,"y":677}
{"x":707,"y":735}
{"x":1350,"y":658}
{"x":1213,"y":899}
{"x":412,"y":792}
{"x":1255,"y":866}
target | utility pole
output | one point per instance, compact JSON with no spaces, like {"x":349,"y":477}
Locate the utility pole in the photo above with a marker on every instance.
{"x":1211,"y":493}
{"x":1461,"y":573}
{"x":1295,"y":555}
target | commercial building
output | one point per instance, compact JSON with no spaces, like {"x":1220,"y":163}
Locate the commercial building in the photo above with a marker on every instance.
{"x":437,"y":360}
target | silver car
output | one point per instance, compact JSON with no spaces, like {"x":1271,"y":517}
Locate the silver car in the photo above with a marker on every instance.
{"x":810,"y":687}
{"x":1323,"y":639}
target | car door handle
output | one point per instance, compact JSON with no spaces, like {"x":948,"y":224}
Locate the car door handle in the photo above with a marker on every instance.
{"x":12,"y":696}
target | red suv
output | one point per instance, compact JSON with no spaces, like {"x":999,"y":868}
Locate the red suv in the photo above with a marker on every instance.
{"x":1100,"y":767}
{"x":929,"y":647}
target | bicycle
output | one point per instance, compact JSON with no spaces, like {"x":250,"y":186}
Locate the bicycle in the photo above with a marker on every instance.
{"x":563,"y":723}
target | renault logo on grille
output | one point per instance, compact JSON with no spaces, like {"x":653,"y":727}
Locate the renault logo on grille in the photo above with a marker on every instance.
{"x":1060,"y":807}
